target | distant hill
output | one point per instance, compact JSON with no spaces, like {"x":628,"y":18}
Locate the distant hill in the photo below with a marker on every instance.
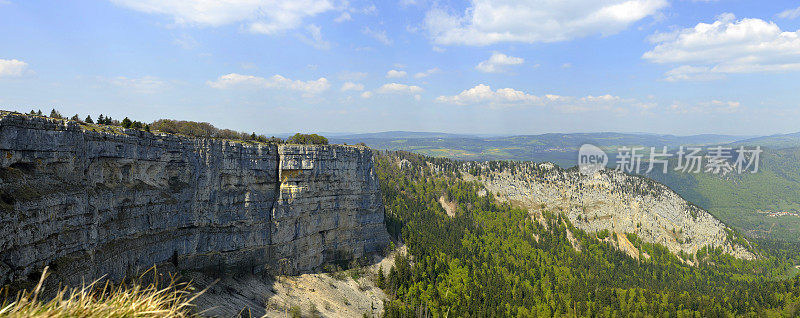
{"x":402,"y":134}
{"x":560,"y":148}
{"x":774,"y":141}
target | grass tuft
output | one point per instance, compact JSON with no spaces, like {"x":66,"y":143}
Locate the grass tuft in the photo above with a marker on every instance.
{"x":135,"y":299}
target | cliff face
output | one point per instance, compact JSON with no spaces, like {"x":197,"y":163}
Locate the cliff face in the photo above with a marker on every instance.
{"x":614,"y":201}
{"x":90,"y":203}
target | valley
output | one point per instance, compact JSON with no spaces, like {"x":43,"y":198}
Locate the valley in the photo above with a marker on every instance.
{"x":735,"y":200}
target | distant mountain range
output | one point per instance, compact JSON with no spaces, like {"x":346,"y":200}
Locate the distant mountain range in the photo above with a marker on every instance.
{"x":560,"y":148}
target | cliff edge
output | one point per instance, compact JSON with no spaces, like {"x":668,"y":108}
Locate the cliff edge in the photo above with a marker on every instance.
{"x":90,"y":202}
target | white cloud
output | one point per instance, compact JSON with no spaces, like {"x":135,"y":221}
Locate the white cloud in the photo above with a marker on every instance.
{"x":508,"y":97}
{"x":494,"y":21}
{"x":427,"y":73}
{"x":12,"y":68}
{"x":377,"y":35}
{"x":727,"y":46}
{"x":714,"y":106}
{"x":235,"y":80}
{"x":350,"y":86}
{"x":185,"y":41}
{"x":399,"y":89}
{"x":483,"y":94}
{"x":144,"y":85}
{"x":396,"y":74}
{"x":366,"y":94}
{"x":790,"y":13}
{"x":315,"y":39}
{"x":343,"y":17}
{"x":352,"y":76}
{"x":497,"y":63}
{"x":259,"y":16}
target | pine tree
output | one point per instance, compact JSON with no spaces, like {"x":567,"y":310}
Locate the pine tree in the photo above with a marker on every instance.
{"x":101,"y":120}
{"x":55,"y":114}
{"x":381,"y":279}
{"x":126,"y":123}
{"x":147,"y":128}
{"x":76,"y":118}
{"x":39,"y":113}
{"x":89,"y":119}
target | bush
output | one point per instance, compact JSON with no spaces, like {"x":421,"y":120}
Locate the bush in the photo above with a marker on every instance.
{"x":204,"y":130}
{"x":304,"y":139}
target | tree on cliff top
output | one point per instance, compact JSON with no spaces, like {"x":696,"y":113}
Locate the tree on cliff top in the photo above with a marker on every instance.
{"x":304,"y":139}
{"x":204,"y":130}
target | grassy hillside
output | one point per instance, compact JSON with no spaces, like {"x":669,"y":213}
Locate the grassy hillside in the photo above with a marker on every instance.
{"x":745,"y":201}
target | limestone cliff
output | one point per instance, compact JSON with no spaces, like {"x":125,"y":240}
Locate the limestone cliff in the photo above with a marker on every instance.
{"x":89,"y":202}
{"x":609,"y":200}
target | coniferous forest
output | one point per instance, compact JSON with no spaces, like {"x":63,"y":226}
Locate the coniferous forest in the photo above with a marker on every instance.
{"x":495,"y":260}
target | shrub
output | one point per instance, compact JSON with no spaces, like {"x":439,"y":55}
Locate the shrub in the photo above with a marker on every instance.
{"x":305,"y":139}
{"x":204,"y":130}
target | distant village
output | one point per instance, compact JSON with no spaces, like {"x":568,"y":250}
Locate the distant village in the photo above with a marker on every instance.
{"x":778,"y":214}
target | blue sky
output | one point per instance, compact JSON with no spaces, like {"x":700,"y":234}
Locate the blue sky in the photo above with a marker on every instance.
{"x":486,"y":66}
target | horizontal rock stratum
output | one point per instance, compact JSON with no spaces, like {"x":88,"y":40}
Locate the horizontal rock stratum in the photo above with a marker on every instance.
{"x":90,"y":202}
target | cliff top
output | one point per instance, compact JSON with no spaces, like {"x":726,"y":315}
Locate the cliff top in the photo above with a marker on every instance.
{"x":46,"y":122}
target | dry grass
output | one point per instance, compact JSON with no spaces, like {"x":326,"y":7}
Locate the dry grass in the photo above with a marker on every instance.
{"x":134,"y":299}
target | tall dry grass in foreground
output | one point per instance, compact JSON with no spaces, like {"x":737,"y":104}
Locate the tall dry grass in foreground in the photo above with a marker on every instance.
{"x":135,"y":299}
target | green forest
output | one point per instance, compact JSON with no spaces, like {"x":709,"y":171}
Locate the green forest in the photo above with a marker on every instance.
{"x":492,"y":259}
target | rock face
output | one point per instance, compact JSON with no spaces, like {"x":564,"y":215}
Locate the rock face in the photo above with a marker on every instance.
{"x":91,"y":203}
{"x":610,"y":200}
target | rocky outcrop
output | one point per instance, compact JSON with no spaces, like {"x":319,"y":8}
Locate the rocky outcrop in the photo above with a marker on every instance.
{"x":91,"y":202}
{"x":609,"y":200}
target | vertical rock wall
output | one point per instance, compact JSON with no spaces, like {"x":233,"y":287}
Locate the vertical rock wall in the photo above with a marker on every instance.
{"x":90,"y":203}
